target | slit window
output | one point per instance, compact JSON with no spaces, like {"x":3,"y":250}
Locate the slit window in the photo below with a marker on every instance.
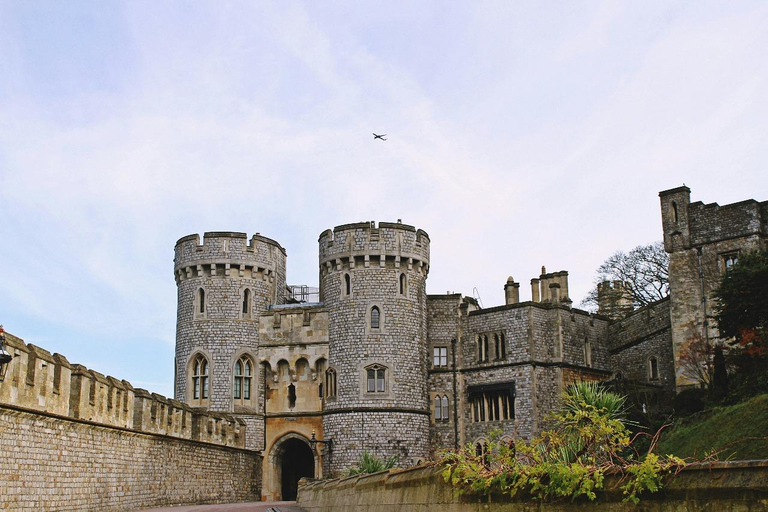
{"x":403,"y":284}
{"x":653,"y":368}
{"x":201,"y":301}
{"x":587,"y":352}
{"x":347,"y":284}
{"x":246,"y":301}
{"x":330,"y":382}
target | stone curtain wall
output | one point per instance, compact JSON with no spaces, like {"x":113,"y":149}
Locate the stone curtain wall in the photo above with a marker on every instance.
{"x":725,"y":486}
{"x":634,"y":340}
{"x":74,"y":439}
{"x":50,"y":463}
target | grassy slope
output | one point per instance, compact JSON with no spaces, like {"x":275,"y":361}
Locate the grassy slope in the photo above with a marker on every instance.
{"x":722,"y":426}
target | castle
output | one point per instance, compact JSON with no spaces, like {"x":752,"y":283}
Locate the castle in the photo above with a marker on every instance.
{"x":275,"y":382}
{"x":376,"y":364}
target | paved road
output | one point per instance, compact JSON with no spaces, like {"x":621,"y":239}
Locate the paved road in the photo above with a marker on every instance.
{"x":256,"y":506}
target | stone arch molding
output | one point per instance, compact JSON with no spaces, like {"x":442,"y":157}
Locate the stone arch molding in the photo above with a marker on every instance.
{"x":275,"y":358}
{"x":273,"y":475}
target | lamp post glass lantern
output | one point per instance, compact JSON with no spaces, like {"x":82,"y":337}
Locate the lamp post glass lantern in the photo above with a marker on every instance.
{"x":314,"y":441}
{"x":5,"y":357}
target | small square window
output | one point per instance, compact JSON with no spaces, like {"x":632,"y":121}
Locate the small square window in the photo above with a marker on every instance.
{"x":729,"y":260}
{"x":440,"y":357}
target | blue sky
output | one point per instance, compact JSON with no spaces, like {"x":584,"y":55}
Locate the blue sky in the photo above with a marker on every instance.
{"x":520,"y":135}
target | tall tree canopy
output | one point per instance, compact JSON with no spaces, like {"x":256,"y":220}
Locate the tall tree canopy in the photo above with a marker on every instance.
{"x":644,"y":271}
{"x":742,"y":299}
{"x":742,"y":315}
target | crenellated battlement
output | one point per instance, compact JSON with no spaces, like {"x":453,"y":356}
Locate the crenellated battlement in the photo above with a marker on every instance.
{"x":366,"y":244}
{"x":228,"y":254}
{"x":37,"y":380}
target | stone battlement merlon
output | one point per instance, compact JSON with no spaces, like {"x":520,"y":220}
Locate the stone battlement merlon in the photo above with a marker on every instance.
{"x":37,"y":380}
{"x":227,"y":254}
{"x":364,"y":240}
{"x":226,"y":242}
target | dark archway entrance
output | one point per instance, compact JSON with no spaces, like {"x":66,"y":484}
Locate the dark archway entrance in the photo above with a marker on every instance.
{"x":296,"y":462}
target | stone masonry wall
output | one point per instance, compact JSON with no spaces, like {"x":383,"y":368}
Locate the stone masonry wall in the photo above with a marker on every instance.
{"x":634,"y":340}
{"x":443,"y":328}
{"x":542,"y":341}
{"x":56,"y":464}
{"x":74,"y":439}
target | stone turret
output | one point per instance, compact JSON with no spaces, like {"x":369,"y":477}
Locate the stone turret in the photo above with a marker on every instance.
{"x":372,"y":281}
{"x":223,"y":285}
{"x":614,"y":299}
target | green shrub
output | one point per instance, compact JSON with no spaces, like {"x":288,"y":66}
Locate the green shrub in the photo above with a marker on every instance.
{"x":369,"y":463}
{"x":569,"y":461}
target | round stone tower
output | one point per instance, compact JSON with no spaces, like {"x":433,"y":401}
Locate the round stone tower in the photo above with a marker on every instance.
{"x":223,"y":285}
{"x":373,"y":283}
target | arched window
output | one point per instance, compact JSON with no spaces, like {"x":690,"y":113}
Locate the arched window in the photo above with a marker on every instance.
{"x":200,"y":378}
{"x":243,"y":382}
{"x":653,"y":368}
{"x":674,"y":211}
{"x":444,"y":407}
{"x":246,"y":301}
{"x":347,"y":285}
{"x":503,"y":346}
{"x":376,"y":379}
{"x":438,"y":410}
{"x":330,"y":382}
{"x":403,"y":284}
{"x":375,"y":317}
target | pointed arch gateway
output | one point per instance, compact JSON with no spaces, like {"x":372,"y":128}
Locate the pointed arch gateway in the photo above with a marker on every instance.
{"x":290,"y":459}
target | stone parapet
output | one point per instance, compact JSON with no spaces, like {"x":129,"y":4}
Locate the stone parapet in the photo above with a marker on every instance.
{"x":723,"y":486}
{"x":37,"y":380}
{"x":366,"y":244}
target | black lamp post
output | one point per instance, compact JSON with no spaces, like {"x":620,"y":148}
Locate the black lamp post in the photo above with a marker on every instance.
{"x":313,"y":442}
{"x":5,"y":357}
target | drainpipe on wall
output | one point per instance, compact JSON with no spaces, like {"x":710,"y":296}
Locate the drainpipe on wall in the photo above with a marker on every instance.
{"x":455,"y":398}
{"x":264,"y":410}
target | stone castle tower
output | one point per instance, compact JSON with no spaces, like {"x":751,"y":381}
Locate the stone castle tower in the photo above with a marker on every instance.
{"x":223,"y":285}
{"x":703,"y":242}
{"x":373,"y":282}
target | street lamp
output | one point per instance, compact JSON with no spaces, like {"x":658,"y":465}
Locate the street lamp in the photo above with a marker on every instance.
{"x":313,"y":442}
{"x":5,"y":357}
